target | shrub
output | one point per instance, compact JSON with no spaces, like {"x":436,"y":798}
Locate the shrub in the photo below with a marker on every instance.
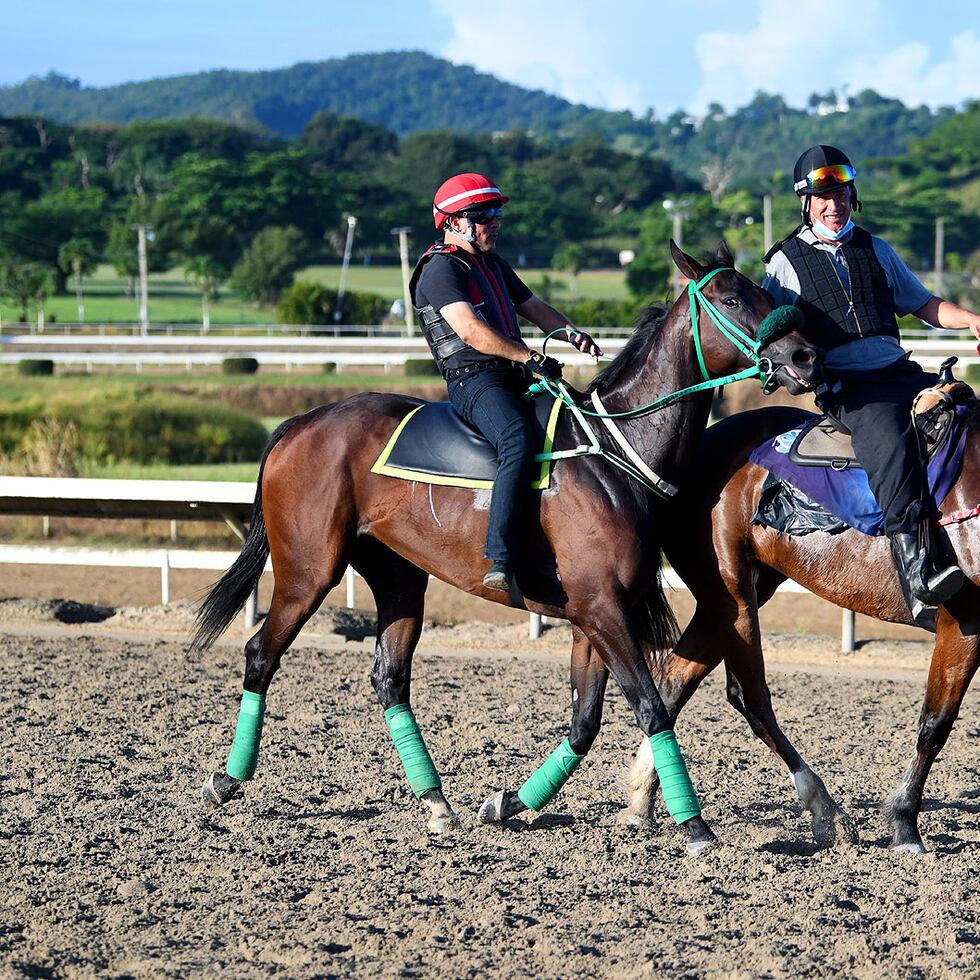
{"x":310,"y":302}
{"x":239,"y":365}
{"x":330,"y":367}
{"x":417,"y":368}
{"x":35,"y":368}
{"x":140,"y":428}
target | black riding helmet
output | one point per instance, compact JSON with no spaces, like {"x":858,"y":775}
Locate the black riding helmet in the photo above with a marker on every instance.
{"x":822,"y":168}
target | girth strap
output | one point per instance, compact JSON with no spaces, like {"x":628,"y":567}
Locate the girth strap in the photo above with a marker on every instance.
{"x":667,"y":489}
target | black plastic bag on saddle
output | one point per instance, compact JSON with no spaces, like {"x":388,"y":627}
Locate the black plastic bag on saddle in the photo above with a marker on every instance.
{"x":788,"y":510}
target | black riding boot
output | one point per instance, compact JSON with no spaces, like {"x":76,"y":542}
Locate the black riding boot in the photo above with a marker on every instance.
{"x":928,"y":579}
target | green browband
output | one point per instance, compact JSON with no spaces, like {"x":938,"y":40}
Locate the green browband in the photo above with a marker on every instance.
{"x":543,"y":784}
{"x":244,"y":755}
{"x":675,"y":782}
{"x":419,"y":769}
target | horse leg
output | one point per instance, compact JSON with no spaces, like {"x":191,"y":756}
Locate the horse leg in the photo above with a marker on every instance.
{"x":291,"y":607}
{"x":588,"y":683}
{"x":678,"y":676}
{"x":611,"y":634}
{"x":749,"y":694}
{"x":954,"y":662}
{"x":399,"y":594}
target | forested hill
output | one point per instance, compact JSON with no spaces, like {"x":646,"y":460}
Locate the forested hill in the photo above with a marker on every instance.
{"x":406,"y":91}
{"x":410,"y":92}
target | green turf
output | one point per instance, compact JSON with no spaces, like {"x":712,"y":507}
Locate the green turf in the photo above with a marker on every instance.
{"x":173,"y":299}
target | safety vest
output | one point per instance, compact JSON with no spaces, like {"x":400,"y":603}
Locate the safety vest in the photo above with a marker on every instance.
{"x":487,"y":295}
{"x":835,"y":315}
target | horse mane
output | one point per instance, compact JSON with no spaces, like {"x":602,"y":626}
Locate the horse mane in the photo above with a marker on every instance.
{"x":648,"y":324}
{"x":646,"y":328}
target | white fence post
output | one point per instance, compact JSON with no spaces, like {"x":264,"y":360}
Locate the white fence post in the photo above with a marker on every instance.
{"x":848,"y":631}
{"x":350,"y":587}
{"x":165,"y":577}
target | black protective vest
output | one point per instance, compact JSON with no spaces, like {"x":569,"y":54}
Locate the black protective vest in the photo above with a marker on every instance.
{"x":448,"y":350}
{"x":832,"y":316}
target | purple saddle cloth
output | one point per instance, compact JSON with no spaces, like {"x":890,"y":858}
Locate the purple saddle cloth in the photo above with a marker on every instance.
{"x":846,"y":493}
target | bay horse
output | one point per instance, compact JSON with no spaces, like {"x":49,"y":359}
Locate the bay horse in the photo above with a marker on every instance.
{"x":591,"y":552}
{"x":733,"y":567}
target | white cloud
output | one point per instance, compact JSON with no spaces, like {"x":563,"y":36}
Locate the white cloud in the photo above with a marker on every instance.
{"x":559,"y":47}
{"x":784,"y":53}
{"x":906,"y":73}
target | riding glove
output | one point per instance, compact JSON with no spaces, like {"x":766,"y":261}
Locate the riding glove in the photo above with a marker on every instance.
{"x":545,"y":366}
{"x":581,"y":341}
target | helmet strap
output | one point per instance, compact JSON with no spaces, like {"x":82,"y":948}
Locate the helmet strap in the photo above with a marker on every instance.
{"x":468,"y":236}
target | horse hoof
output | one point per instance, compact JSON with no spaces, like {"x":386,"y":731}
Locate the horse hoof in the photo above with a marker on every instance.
{"x":909,"y":847}
{"x":492,"y":810}
{"x":832,"y":828}
{"x":443,"y":823}
{"x":635,"y":821}
{"x":696,"y":847}
{"x":219,"y":788}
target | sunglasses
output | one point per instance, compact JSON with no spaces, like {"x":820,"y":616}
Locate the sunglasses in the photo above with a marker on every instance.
{"x":483,"y":216}
{"x":825,"y":178}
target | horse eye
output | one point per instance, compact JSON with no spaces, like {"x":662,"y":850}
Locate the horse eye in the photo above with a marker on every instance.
{"x":731,"y":302}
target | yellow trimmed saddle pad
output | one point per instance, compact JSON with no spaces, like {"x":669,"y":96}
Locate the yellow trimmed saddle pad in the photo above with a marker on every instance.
{"x":434,"y":444}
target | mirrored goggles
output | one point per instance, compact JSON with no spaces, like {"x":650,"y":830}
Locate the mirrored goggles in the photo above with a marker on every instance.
{"x":826,"y":178}
{"x":483,"y":216}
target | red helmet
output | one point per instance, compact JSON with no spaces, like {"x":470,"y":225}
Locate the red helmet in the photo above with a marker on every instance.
{"x":462,"y":192}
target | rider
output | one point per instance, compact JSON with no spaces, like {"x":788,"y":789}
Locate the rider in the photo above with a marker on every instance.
{"x":850,"y":286}
{"x":467,"y":299}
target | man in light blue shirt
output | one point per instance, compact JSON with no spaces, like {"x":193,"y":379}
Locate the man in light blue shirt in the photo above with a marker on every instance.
{"x":850,"y":286}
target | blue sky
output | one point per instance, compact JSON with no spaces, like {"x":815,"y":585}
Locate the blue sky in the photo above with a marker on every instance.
{"x":621,"y":54}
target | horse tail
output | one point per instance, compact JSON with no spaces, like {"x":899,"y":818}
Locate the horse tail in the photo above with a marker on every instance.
{"x":230,"y":593}
{"x":655,"y":620}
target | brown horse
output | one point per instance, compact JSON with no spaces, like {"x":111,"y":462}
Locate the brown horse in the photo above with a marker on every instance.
{"x":591,"y":552}
{"x":733,"y":567}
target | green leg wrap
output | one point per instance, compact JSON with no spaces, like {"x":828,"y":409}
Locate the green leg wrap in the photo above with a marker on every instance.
{"x":544,"y":783}
{"x":679,"y":794}
{"x":244,"y":755}
{"x":419,"y":769}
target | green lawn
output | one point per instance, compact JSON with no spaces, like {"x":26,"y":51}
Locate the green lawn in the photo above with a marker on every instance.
{"x":172,"y":299}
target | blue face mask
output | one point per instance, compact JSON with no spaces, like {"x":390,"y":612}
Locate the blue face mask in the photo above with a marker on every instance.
{"x":824,"y":232}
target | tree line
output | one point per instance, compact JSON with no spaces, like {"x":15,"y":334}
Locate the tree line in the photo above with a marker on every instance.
{"x":230,"y":204}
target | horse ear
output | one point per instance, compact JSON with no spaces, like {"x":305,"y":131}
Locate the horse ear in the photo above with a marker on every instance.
{"x":690,"y":267}
{"x":724,"y":255}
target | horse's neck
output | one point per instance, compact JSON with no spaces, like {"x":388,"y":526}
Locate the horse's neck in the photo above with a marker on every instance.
{"x":666,"y":439}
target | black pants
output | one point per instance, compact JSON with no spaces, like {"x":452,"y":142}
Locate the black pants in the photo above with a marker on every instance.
{"x":876,"y":406}
{"x":493,"y":401}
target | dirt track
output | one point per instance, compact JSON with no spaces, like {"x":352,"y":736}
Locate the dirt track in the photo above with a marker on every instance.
{"x":113,"y":867}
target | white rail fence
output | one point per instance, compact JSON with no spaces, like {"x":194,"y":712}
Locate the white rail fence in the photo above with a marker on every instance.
{"x":183,"y":500}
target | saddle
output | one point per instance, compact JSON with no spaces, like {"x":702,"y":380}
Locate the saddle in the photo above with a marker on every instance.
{"x":435,"y":444}
{"x":826,"y":441}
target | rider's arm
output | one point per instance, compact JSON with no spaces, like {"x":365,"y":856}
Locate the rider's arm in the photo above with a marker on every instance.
{"x":480,"y":336}
{"x":941,"y":312}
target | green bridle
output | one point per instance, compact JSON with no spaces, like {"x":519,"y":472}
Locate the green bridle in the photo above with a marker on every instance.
{"x":748,"y":346}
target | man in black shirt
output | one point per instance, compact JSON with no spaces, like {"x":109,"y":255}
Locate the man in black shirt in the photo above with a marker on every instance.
{"x":467,"y":299}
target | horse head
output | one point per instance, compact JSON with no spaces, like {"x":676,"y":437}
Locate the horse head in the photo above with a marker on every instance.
{"x":735,"y":325}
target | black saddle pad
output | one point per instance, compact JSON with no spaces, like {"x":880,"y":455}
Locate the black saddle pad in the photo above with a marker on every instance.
{"x":434,"y":444}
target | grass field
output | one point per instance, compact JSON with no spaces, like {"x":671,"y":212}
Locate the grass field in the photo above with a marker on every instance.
{"x":173,"y":299}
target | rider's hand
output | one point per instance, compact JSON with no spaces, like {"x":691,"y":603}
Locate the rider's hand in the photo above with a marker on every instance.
{"x":581,"y":341}
{"x":545,"y":366}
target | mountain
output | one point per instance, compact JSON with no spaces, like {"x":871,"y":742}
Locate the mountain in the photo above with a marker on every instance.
{"x":406,"y":91}
{"x":410,"y":91}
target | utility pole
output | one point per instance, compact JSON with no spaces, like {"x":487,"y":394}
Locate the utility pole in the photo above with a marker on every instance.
{"x":342,"y":285}
{"x":676,"y":209}
{"x":402,"y":234}
{"x":766,"y":223}
{"x":141,"y":239}
{"x":937,"y":279}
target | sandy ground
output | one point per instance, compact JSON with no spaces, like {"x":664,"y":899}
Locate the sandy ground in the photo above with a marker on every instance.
{"x":113,"y":867}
